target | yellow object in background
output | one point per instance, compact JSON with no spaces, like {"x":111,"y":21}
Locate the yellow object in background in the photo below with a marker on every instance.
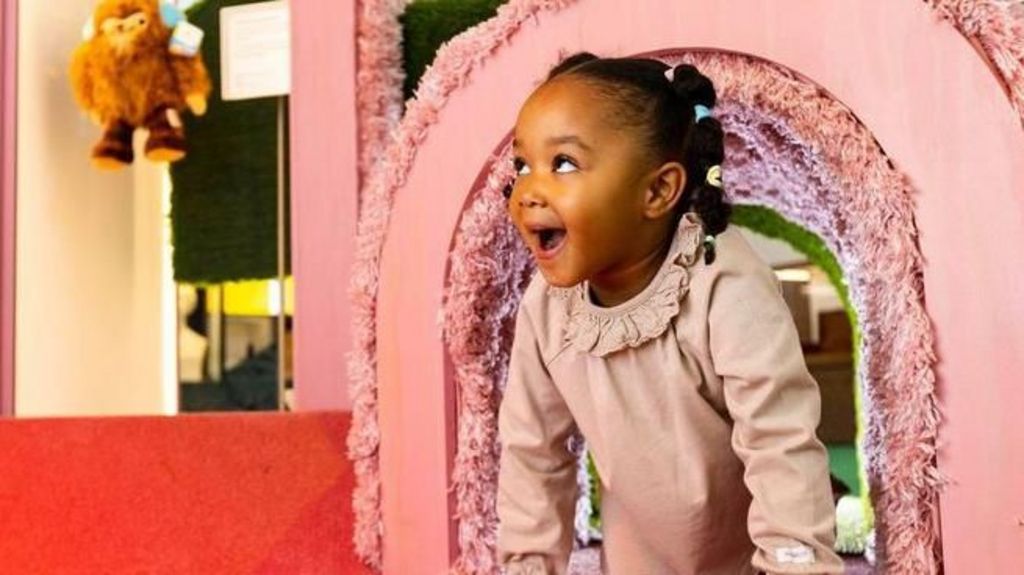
{"x":252,"y":298}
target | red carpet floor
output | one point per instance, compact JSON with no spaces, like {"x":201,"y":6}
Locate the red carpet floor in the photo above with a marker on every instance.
{"x":219,"y":494}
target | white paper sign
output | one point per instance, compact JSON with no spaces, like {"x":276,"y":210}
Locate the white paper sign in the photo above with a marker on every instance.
{"x":255,"y":50}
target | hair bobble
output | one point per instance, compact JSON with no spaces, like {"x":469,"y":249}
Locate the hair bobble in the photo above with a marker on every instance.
{"x":700,"y":111}
{"x":714,"y":176}
{"x":709,"y":249}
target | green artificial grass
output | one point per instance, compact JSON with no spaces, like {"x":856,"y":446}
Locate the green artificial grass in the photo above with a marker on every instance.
{"x":595,"y":493}
{"x":224,"y":196}
{"x":427,"y":24}
{"x":844,"y":463}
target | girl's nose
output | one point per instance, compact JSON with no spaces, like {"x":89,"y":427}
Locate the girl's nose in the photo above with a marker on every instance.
{"x":531,"y":199}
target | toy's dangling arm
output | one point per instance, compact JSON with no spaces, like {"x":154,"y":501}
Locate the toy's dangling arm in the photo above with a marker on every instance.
{"x":193,"y":80}
{"x":82,"y":83}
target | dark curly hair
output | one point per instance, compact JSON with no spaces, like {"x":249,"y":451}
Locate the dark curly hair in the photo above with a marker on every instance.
{"x":664,"y":112}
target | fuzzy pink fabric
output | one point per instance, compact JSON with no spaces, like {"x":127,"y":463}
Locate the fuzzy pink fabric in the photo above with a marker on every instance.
{"x":455,"y":61}
{"x":804,"y":154}
{"x":996,"y":28}
{"x":791,"y":147}
{"x":379,"y":77}
{"x":794,"y":148}
{"x":489,"y":271}
{"x":490,"y":268}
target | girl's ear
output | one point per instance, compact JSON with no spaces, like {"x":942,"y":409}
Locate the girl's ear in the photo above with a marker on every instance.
{"x":665,"y":190}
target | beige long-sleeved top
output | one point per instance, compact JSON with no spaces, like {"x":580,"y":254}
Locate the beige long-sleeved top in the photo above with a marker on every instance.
{"x":699,"y":412}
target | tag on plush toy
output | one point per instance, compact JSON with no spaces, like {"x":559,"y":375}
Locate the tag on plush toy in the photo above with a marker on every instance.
{"x":170,"y":14}
{"x":186,"y":40}
{"x":88,"y":30}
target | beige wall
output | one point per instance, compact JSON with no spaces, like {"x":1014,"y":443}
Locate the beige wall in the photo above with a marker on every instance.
{"x":776,"y":253}
{"x":90,"y":297}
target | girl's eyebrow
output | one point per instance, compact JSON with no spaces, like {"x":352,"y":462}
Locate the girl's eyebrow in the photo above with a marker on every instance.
{"x":555,"y":140}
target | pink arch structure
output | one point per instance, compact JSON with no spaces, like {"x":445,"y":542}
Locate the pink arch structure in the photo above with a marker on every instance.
{"x":926,"y":96}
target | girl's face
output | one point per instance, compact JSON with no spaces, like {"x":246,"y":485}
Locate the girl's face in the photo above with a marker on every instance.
{"x":579,"y":195}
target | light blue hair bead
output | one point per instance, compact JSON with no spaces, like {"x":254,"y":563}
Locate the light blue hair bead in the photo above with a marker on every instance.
{"x":700,"y":112}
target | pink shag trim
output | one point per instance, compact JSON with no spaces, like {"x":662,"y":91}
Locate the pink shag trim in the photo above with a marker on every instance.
{"x":489,"y":271}
{"x":996,"y":28}
{"x":490,"y":268}
{"x":797,"y":168}
{"x":455,"y":62}
{"x":379,"y":77}
{"x":796,"y":149}
{"x":801,"y":152}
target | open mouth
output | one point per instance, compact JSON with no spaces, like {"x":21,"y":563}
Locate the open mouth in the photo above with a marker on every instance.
{"x":549,"y":241}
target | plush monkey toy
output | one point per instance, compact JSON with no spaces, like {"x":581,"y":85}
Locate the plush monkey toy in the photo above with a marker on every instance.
{"x":133,"y":73}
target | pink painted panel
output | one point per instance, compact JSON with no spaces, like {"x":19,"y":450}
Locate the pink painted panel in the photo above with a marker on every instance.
{"x":8,"y":155}
{"x":934,"y":106}
{"x":324,"y":199}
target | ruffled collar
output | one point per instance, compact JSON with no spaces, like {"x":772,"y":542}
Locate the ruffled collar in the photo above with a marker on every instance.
{"x":600,"y":331}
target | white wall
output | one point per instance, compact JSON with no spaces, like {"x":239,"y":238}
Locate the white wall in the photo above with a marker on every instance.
{"x":90,"y":282}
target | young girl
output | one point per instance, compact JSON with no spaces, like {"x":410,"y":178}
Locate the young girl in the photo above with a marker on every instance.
{"x":655,"y":330}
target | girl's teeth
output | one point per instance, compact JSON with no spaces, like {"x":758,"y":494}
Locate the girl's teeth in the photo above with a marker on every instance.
{"x":550,"y":239}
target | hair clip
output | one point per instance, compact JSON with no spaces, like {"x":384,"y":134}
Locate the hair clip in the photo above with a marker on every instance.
{"x":709,"y":249}
{"x":700,"y":112}
{"x":714,"y":176}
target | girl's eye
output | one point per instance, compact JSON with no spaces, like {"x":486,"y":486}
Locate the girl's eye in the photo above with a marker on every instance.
{"x":561,"y":161}
{"x":518,"y":165}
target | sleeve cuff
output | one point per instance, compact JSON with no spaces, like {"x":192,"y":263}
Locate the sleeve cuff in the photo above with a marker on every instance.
{"x":530,"y":565}
{"x":796,"y":559}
